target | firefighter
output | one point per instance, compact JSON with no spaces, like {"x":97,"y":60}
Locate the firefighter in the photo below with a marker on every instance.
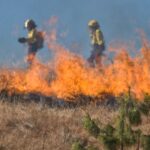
{"x":97,"y":42}
{"x":34,"y":40}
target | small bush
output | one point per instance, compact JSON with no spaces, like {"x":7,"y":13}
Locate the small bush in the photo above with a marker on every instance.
{"x":129,"y":136}
{"x":91,"y":126}
{"x":146,"y":142}
{"x":134,"y":116}
{"x":122,"y":136}
{"x":110,"y":142}
{"x":144,"y":108}
{"x":109,"y":130}
{"x":77,"y":146}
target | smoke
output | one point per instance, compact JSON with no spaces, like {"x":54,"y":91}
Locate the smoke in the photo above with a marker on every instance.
{"x":122,"y":18}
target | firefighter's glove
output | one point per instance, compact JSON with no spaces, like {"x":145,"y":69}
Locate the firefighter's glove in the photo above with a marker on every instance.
{"x":22,"y":40}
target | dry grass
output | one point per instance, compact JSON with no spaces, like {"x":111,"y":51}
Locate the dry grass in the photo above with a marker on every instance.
{"x":33,"y":127}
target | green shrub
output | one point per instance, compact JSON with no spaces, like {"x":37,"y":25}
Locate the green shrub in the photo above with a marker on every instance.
{"x":145,"y":105}
{"x":110,"y":142}
{"x":109,"y":130}
{"x":134,"y":116}
{"x":77,"y":146}
{"x":146,"y":142}
{"x":129,"y":136}
{"x":91,"y":126}
{"x":144,"y":108}
{"x":122,"y":136}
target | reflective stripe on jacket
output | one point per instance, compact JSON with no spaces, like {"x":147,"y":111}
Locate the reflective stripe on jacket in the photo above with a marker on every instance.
{"x":32,"y":36}
{"x":97,"y":38}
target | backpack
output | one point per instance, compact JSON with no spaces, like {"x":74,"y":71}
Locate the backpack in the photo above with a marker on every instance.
{"x":40,"y":40}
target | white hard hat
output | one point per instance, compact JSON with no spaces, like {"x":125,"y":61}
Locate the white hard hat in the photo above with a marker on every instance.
{"x":26,"y":23}
{"x":30,"y":22}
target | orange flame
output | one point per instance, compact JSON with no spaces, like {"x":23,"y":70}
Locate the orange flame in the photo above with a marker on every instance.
{"x":70,"y":75}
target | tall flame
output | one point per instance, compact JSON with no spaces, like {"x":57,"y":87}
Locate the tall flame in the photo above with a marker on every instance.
{"x":68,"y":74}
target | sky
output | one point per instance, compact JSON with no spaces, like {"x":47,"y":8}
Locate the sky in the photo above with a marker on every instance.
{"x":119,"y":20}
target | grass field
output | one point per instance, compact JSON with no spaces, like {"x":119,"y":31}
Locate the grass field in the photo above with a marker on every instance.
{"x":32,"y":126}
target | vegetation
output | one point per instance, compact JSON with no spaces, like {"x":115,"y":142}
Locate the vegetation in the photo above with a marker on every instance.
{"x":126,"y":132}
{"x":77,"y":146}
{"x":40,"y":127}
{"x":91,"y":126}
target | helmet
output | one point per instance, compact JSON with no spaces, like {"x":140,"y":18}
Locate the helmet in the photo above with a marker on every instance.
{"x":93,"y":24}
{"x":29,"y":24}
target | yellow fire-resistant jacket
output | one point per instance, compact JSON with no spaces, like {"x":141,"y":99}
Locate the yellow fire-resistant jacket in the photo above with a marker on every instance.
{"x":97,"y":37}
{"x":32,"y":36}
